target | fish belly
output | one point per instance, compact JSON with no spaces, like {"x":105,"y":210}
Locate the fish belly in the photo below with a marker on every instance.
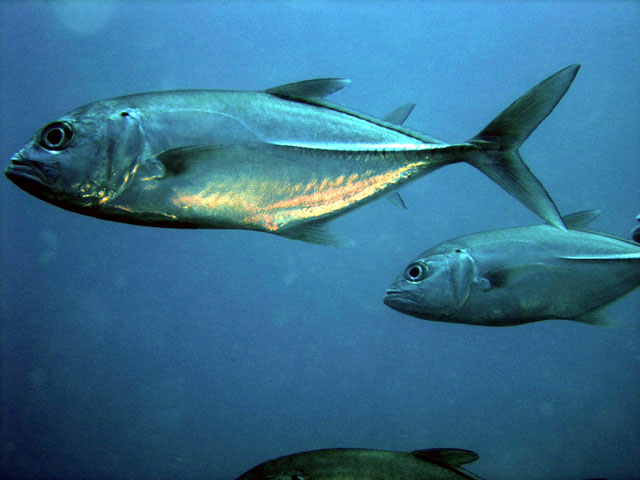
{"x":273,"y":188}
{"x":267,"y":188}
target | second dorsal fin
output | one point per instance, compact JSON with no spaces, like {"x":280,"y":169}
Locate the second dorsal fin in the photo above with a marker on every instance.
{"x":580,"y":219}
{"x":400,"y":114}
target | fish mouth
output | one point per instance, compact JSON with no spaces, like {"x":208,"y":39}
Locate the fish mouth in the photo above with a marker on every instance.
{"x":394,"y":298}
{"x":23,"y":170}
{"x":402,"y":300}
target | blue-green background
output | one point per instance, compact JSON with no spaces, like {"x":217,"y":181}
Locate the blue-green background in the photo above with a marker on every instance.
{"x":132,"y":352}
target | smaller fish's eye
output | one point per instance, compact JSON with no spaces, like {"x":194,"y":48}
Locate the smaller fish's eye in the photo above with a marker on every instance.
{"x":56,"y":136}
{"x":416,"y":272}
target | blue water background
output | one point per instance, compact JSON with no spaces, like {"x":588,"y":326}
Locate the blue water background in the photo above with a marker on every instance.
{"x":131,"y":352}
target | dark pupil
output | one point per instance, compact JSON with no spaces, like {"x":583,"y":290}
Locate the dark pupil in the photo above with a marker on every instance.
{"x":55,"y":136}
{"x":414,"y":272}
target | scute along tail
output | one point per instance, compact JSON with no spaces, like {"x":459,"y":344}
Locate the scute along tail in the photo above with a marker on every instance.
{"x":501,"y":139}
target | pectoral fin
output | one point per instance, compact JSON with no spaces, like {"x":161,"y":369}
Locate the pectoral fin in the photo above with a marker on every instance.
{"x":179,"y":160}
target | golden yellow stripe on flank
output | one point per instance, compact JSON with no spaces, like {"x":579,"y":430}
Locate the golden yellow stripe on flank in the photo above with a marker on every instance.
{"x":212,"y":201}
{"x":296,"y":201}
{"x":327,"y":197}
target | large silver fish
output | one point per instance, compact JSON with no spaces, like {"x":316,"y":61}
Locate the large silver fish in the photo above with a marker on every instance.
{"x":519,"y":275}
{"x":360,"y":464}
{"x":281,"y":160}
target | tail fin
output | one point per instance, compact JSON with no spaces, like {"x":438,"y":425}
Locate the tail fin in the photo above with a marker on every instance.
{"x":501,"y":139}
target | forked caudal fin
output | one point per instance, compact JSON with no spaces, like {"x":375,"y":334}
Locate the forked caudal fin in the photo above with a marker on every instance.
{"x":500,"y":140}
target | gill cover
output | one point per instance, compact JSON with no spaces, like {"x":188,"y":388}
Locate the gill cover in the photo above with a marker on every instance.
{"x":125,"y":150}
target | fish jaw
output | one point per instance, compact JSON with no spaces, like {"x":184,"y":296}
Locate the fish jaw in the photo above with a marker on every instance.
{"x":410,"y":303}
{"x":35,"y":177}
{"x":402,"y":301}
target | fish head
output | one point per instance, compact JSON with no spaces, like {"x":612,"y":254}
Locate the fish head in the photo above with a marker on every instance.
{"x":81,"y":160}
{"x":434,"y":286}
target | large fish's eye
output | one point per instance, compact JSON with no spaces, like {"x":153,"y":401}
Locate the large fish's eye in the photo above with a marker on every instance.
{"x":416,"y":272}
{"x":56,"y":136}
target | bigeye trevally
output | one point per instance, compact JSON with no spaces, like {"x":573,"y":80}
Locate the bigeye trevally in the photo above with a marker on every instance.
{"x":519,"y":275}
{"x":282,"y":160}
{"x":361,"y":464}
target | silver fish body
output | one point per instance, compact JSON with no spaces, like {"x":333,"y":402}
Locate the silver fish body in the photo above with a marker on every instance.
{"x":281,"y":160}
{"x":361,"y":464}
{"x":519,"y":275}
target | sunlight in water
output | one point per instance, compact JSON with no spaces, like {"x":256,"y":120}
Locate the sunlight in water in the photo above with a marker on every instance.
{"x":83,"y":17}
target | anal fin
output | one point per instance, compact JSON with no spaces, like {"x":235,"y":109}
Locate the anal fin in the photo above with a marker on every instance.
{"x":316,"y":232}
{"x":397,"y":200}
{"x":594,"y":317}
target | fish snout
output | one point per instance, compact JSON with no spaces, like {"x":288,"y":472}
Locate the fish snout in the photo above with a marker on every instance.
{"x":21,"y":169}
{"x":394,"y":298}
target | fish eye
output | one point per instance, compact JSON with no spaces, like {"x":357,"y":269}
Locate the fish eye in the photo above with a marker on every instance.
{"x":416,"y":272}
{"x":56,"y":136}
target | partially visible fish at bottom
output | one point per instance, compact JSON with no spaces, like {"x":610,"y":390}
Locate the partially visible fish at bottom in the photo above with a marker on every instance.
{"x":363,"y":464}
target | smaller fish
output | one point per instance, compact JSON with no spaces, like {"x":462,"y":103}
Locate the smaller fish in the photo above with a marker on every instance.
{"x":519,"y":275}
{"x":360,"y":464}
{"x":635,"y":234}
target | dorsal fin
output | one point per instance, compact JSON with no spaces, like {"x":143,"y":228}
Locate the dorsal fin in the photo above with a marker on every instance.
{"x":580,"y":219}
{"x":400,"y":114}
{"x":450,"y":457}
{"x":316,"y":88}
